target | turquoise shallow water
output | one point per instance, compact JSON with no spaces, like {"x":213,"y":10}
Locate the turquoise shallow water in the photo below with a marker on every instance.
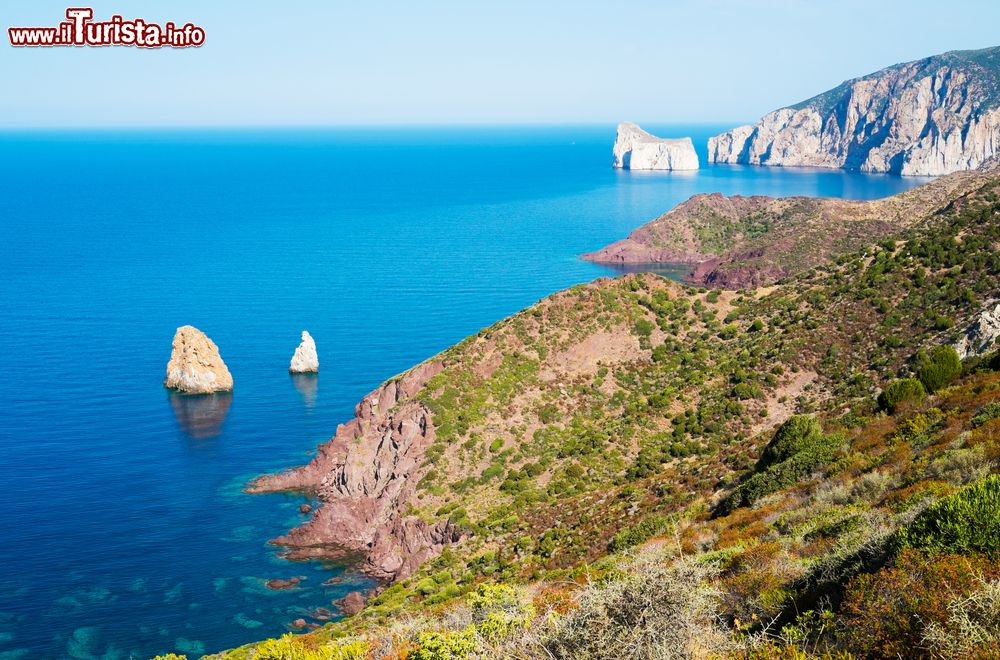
{"x":125,"y":531}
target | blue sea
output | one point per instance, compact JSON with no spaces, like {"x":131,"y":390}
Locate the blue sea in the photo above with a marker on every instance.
{"x":125,"y":532}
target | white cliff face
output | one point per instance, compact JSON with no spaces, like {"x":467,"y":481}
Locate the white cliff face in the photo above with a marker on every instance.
{"x":930,"y":117}
{"x":981,"y":335}
{"x":195,"y":366}
{"x":635,"y":149}
{"x":305,"y":360}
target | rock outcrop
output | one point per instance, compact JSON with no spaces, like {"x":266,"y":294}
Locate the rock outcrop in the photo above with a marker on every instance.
{"x":635,"y":149}
{"x":305,"y":360}
{"x":929,"y":117}
{"x":980,"y":337}
{"x":364,"y":477}
{"x":195,"y":366}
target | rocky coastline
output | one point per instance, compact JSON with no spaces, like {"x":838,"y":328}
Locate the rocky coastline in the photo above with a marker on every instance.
{"x":363,"y":478}
{"x":929,"y":117}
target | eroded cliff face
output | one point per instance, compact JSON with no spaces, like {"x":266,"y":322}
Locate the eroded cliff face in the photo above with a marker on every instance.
{"x":635,"y":149}
{"x":930,"y":117}
{"x":364,"y":477}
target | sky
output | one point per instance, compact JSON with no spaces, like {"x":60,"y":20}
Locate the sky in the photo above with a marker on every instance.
{"x":375,"y":62}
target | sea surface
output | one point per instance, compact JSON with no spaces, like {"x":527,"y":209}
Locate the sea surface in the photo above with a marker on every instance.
{"x":124,"y":529}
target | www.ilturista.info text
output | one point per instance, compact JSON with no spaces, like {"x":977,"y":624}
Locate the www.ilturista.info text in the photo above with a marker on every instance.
{"x":81,"y":30}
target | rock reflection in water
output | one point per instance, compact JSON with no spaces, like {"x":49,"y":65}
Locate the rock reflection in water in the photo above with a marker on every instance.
{"x":308,"y":387}
{"x":201,"y":416}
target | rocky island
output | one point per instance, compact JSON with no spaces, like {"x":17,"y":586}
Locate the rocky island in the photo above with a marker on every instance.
{"x":635,"y":149}
{"x":932,"y":116}
{"x":195,"y":366}
{"x":305,"y":359}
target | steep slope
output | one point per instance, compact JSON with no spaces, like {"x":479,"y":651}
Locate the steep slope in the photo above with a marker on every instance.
{"x":637,"y":412}
{"x":933,"y":116}
{"x":735,"y":242}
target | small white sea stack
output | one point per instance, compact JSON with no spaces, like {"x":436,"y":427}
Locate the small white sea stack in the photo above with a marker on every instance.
{"x":305,"y":360}
{"x":195,"y":365}
{"x":635,"y":149}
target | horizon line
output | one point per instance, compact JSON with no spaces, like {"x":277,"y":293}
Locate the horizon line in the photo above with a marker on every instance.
{"x":348,"y":125}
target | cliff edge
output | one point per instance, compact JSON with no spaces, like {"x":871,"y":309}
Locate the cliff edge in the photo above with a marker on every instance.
{"x":635,"y":149}
{"x":929,"y":117}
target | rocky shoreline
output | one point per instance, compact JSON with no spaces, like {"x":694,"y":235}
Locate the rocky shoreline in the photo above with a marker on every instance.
{"x":363,"y":478}
{"x":929,"y":117}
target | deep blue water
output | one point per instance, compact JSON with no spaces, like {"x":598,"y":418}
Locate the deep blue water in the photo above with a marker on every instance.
{"x":124,"y":529}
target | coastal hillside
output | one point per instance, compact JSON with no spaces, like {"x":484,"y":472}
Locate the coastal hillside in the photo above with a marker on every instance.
{"x":933,"y":116}
{"x":636,"y":468}
{"x":736,"y":242}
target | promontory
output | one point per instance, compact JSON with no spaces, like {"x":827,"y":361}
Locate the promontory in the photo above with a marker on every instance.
{"x":933,"y":116}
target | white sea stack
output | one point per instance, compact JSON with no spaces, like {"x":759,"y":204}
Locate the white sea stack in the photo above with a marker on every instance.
{"x":305,"y":360}
{"x":635,"y":149}
{"x":195,"y":365}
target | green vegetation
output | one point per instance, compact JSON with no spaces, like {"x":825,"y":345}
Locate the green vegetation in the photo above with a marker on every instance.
{"x":938,"y":368}
{"x":901,"y":391}
{"x":966,"y":522}
{"x":797,"y":449}
{"x":803,"y":471}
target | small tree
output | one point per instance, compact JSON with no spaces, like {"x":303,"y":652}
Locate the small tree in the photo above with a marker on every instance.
{"x":939,"y":368}
{"x":898,"y":391}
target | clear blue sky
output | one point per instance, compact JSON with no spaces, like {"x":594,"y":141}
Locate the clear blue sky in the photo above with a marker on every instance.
{"x":294,"y":62}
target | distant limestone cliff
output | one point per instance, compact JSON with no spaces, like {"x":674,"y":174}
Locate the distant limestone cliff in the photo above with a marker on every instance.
{"x":929,"y":117}
{"x":635,"y":149}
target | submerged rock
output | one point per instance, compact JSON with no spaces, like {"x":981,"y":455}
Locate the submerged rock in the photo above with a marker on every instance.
{"x":352,"y":603}
{"x":278,"y":584}
{"x":305,"y":360}
{"x":635,"y":149}
{"x":195,"y":365}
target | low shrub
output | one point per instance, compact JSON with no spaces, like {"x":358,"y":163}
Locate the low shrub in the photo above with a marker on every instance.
{"x":293,"y":647}
{"x":900,"y":391}
{"x":973,"y":626}
{"x":985,"y":414}
{"x":937,"y":369}
{"x":647,"y":528}
{"x":887,"y":614}
{"x":966,"y":522}
{"x":454,"y":645}
{"x":792,"y":436}
{"x":797,"y":449}
{"x":655,"y":609}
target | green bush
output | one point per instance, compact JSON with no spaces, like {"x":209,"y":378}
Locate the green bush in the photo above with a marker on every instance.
{"x":445,"y":645}
{"x":797,"y":449}
{"x":646,"y":529}
{"x":987,"y":413}
{"x":939,"y":368}
{"x":966,"y":522}
{"x":643,"y":328}
{"x":795,"y":434}
{"x":898,"y":391}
